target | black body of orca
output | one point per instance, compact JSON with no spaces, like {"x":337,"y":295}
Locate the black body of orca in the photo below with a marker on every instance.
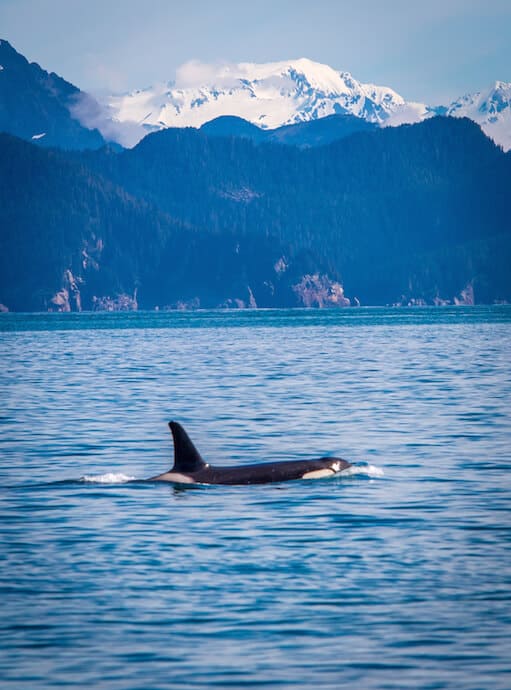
{"x":190,"y":468}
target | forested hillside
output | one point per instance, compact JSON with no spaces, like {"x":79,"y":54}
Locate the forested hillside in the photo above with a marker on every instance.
{"x":410,"y":214}
{"x":71,"y":239}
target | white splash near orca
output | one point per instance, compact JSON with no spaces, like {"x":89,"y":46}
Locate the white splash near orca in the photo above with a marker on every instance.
{"x":190,"y":468}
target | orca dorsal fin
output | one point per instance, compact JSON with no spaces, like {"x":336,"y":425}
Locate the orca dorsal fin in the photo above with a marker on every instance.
{"x":187,"y":458}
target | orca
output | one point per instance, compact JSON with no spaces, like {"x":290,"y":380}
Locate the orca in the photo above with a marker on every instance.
{"x":190,"y":468}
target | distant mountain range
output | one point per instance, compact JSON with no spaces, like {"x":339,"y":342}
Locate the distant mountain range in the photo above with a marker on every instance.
{"x":274,"y":94}
{"x":269,"y":95}
{"x":224,"y":215}
{"x":46,"y":109}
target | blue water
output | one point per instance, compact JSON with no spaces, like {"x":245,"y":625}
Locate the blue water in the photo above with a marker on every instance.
{"x":397,"y":575}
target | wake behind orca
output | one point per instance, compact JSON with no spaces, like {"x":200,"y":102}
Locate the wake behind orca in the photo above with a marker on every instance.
{"x":190,"y":468}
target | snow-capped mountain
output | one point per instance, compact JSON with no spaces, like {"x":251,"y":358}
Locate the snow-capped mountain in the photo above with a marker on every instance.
{"x":491,"y":109}
{"x":47,"y":110}
{"x":274,"y":94}
{"x":269,"y":95}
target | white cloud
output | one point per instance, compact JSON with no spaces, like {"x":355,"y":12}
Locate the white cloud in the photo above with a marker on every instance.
{"x":194,"y":73}
{"x":94,"y":115}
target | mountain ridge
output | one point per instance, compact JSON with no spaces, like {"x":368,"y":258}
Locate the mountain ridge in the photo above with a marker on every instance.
{"x":269,"y":95}
{"x":303,"y":134}
{"x":37,"y":105}
{"x":42,"y":107}
{"x":273,"y":95}
{"x":490,"y":108}
{"x":416,"y":214}
{"x":347,"y":212}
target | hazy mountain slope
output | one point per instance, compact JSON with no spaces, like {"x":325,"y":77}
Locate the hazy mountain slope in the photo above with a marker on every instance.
{"x":233,"y":126}
{"x":304,"y":134}
{"x":35,"y":105}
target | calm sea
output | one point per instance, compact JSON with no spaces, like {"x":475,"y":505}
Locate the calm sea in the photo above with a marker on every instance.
{"x":397,"y":575}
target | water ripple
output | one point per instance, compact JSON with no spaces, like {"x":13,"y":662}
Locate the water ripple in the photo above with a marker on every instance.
{"x":395,"y":574}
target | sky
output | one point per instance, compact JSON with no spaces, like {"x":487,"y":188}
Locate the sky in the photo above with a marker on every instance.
{"x":431,"y":51}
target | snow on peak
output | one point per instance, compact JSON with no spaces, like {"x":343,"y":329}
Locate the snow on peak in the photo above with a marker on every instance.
{"x":491,"y":109}
{"x":273,"y":94}
{"x":285,"y":73}
{"x":268,"y":94}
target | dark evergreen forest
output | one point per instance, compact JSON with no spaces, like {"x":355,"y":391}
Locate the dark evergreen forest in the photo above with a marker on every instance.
{"x":418,"y":213}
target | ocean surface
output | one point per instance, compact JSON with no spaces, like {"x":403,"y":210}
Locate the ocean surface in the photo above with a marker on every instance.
{"x":396,"y":574}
